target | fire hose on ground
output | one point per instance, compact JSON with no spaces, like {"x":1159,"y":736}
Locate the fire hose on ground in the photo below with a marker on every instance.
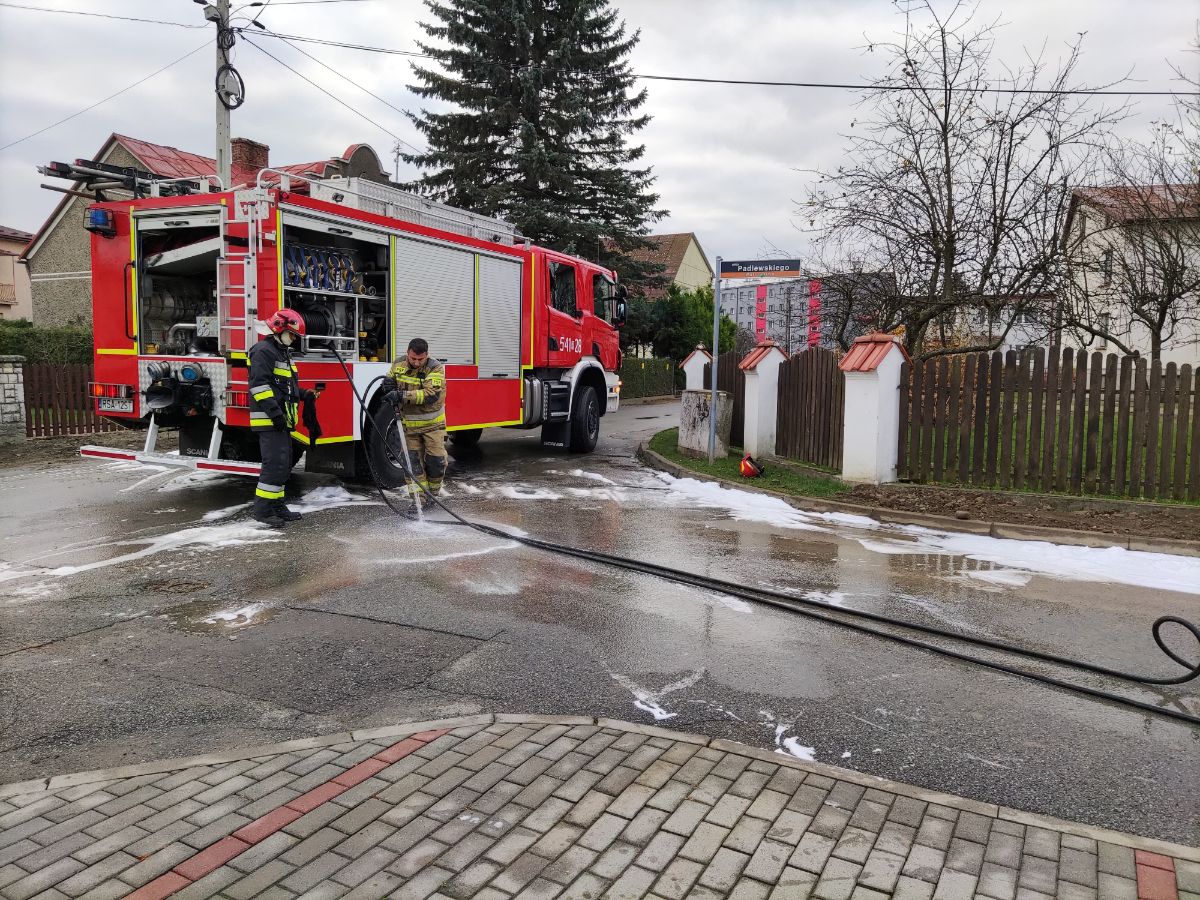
{"x":841,"y":617}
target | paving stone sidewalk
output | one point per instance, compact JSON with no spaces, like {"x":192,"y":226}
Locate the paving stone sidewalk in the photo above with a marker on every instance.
{"x":536,"y":807}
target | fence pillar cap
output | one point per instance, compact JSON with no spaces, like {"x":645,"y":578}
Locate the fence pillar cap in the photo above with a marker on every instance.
{"x":12,"y":359}
{"x":869,"y":351}
{"x":701,"y":350}
{"x":759,"y":354}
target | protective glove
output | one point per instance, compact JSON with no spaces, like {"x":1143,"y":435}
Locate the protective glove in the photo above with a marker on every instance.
{"x":393,"y":397}
{"x":280,"y":423}
{"x":388,"y":384}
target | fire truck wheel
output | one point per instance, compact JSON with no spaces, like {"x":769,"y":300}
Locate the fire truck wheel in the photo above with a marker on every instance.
{"x":385,"y":449}
{"x":468,"y":437}
{"x":585,"y":421}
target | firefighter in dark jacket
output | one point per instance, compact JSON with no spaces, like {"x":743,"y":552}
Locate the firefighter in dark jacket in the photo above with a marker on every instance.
{"x":275,"y":396}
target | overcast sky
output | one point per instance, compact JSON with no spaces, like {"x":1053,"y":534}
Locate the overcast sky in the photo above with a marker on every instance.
{"x":726,"y":157}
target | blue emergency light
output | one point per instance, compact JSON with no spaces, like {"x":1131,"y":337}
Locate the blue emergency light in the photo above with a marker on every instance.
{"x":100,"y":221}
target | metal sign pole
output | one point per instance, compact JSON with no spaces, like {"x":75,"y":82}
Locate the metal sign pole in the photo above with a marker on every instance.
{"x":716,"y":352}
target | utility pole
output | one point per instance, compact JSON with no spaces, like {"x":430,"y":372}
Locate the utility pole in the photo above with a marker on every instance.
{"x":229,"y":87}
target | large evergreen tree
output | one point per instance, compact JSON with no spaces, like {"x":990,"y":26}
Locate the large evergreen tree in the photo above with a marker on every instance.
{"x":542,"y":107}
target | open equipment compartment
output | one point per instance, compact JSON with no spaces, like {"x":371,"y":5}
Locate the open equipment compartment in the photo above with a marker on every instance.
{"x":176,"y":281}
{"x":336,"y":276}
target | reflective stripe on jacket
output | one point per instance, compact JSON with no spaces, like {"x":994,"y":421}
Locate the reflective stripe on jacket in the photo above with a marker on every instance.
{"x":274,"y":386}
{"x":427,"y":410}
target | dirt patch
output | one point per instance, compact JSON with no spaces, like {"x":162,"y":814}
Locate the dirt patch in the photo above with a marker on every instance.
{"x":1078,"y":513}
{"x":53,"y":451}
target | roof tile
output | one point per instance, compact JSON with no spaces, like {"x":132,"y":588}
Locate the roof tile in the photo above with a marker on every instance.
{"x":868,"y":351}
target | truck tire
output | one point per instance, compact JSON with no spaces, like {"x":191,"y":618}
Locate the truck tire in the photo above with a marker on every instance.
{"x":467,"y":437}
{"x":384,"y":449}
{"x":585,"y":421}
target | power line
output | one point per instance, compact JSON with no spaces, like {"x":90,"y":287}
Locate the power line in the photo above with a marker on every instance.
{"x":76,"y":12}
{"x":740,"y":81}
{"x":351,"y":81}
{"x":332,"y":96}
{"x":676,"y":78}
{"x":106,"y":99}
{"x":348,"y":46}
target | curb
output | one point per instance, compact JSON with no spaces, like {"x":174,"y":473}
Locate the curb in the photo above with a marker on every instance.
{"x":1007,"y":530}
{"x":992,"y":810}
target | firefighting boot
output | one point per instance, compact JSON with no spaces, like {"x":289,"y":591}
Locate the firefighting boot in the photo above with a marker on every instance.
{"x":264,"y":511}
{"x":288,"y":515}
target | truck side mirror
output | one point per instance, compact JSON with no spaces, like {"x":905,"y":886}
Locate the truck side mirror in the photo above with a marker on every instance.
{"x":622,"y":310}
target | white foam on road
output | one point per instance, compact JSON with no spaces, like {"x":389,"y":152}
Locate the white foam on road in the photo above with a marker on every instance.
{"x":520,"y":492}
{"x":199,"y":537}
{"x":493,"y":588}
{"x":741,"y":505}
{"x":594,"y":476}
{"x":1006,"y":577}
{"x":444,"y":557}
{"x":330,"y":496}
{"x":1017,"y":560}
{"x":1110,"y":565}
{"x":234,"y":618}
{"x":651,"y":701}
{"x":215,"y":515}
{"x":191,"y":480}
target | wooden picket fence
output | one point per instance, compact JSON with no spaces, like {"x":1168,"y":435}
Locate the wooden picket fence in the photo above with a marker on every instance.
{"x":732,"y":379}
{"x":811,"y":406}
{"x":56,"y":401}
{"x":1070,"y":423}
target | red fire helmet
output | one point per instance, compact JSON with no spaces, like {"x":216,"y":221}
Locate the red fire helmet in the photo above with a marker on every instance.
{"x":750,"y":467}
{"x":286,"y":320}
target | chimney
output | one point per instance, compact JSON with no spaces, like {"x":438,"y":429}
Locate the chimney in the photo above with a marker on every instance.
{"x":249,"y":154}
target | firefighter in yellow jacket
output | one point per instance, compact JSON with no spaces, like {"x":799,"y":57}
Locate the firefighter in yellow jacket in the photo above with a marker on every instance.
{"x":421,"y":384}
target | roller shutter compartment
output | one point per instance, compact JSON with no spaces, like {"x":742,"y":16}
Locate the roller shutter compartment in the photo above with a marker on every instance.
{"x":499,"y":318}
{"x":435,"y":299}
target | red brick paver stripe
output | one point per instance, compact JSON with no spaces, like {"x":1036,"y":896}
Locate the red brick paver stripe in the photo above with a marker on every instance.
{"x":399,"y":750}
{"x":216,"y":855}
{"x":426,"y":736}
{"x":1157,"y":883}
{"x":318,"y":795}
{"x":361,"y":772}
{"x":212,"y":857}
{"x":1153,"y":860}
{"x":162,"y":886}
{"x":265,"y":826}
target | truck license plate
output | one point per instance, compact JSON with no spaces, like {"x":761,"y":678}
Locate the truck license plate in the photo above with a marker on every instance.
{"x":115,"y":404}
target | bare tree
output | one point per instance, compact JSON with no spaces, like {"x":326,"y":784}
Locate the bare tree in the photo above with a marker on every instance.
{"x":1133,"y":247}
{"x":957,"y":175}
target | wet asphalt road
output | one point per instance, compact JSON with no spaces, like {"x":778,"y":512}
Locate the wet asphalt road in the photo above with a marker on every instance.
{"x":132,"y":629}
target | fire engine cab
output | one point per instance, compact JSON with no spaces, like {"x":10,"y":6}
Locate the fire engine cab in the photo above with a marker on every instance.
{"x":180,"y":285}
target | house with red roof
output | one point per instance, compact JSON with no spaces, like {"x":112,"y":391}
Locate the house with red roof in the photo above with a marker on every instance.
{"x":58,"y":256}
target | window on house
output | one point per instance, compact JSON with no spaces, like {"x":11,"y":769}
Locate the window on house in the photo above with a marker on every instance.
{"x":1106,"y":265}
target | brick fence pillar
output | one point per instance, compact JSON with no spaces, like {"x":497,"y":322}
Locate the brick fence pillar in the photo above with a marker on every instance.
{"x":12,"y":399}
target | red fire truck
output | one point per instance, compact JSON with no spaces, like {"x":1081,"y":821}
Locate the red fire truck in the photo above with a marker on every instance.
{"x":180,"y":285}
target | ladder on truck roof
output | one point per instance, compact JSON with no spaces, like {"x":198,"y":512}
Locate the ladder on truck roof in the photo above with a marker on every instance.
{"x":237,"y":273}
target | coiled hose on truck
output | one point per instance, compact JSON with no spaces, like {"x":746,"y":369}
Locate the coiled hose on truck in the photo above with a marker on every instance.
{"x":841,"y":617}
